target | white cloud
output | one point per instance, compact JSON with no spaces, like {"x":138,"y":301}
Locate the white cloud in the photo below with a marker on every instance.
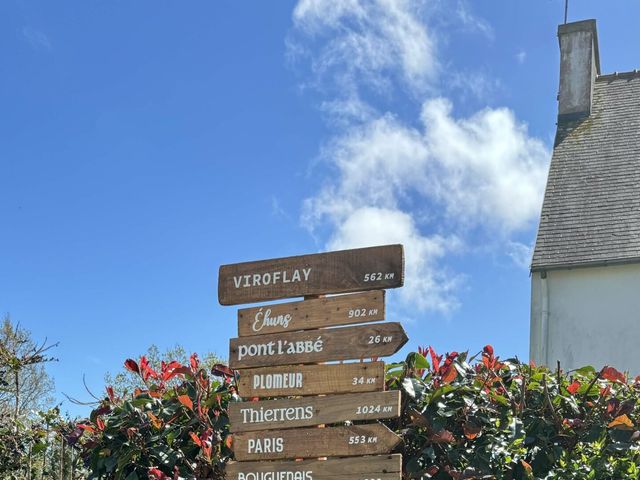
{"x":475,"y":85}
{"x":427,"y":285}
{"x":472,"y":22}
{"x":482,"y":172}
{"x":520,"y":254}
{"x":429,"y":184}
{"x":521,"y":56}
{"x":277,"y":210}
{"x":368,"y":41}
{"x":37,"y":39}
{"x":486,"y":170}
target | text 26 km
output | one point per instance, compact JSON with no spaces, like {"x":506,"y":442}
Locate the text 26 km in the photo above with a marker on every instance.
{"x":375,"y":339}
{"x":377,"y":276}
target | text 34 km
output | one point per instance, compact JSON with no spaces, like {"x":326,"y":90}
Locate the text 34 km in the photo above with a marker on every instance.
{"x":363,"y":380}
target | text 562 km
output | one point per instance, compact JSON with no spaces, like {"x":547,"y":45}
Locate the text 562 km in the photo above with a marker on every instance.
{"x":378,"y":276}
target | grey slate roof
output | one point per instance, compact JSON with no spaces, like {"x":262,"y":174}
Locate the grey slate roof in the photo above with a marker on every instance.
{"x":591,"y":210}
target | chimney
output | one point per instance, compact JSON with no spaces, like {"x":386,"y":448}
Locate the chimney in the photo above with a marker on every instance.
{"x":579,"y":65}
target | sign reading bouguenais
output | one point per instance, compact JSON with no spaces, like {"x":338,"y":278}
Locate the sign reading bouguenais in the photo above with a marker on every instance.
{"x":311,"y":346}
{"x":378,"y":467}
{"x":304,"y":412}
{"x":349,"y":441}
{"x":345,"y":271}
{"x":321,"y":312}
{"x":297,"y":380}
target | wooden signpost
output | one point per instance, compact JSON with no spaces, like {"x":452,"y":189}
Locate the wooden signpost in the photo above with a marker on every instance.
{"x":311,"y":379}
{"x":377,"y":340}
{"x":351,"y":441}
{"x":278,"y":354}
{"x":379,"y":467}
{"x":344,"y":271}
{"x":321,"y":312}
{"x":303,"y":412}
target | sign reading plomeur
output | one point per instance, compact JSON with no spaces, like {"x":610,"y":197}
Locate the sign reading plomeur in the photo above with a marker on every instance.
{"x":311,"y":379}
{"x":304,"y":412}
{"x":313,"y":346}
{"x":321,"y":312}
{"x":313,"y":442}
{"x":378,"y":467}
{"x":342,"y":271}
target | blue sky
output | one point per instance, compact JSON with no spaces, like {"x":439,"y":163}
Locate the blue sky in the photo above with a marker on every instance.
{"x":143,"y":144}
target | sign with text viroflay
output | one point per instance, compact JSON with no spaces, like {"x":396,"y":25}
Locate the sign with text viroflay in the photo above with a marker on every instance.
{"x":343,"y":271}
{"x":282,"y":349}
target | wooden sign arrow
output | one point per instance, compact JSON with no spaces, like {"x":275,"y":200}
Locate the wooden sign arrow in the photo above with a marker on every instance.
{"x":314,"y":346}
{"x":304,"y":412}
{"x":378,"y":467}
{"x":344,"y":271}
{"x":299,"y":380}
{"x":322,"y":312}
{"x":314,"y":442}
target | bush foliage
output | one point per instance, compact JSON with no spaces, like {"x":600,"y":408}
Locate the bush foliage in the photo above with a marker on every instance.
{"x":484,"y":418}
{"x":463,"y":418}
{"x":174,"y":427}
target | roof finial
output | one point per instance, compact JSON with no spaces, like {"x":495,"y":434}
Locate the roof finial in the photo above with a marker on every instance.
{"x":566,"y":10}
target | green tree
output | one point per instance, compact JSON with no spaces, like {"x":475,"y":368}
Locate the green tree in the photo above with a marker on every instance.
{"x":25,"y":390}
{"x":125,"y":382}
{"x":25,"y":385}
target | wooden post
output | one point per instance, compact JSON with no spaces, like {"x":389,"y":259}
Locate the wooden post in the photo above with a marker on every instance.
{"x":62,"y":445}
{"x":29,"y":462}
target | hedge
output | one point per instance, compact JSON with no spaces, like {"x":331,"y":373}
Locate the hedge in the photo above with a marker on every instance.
{"x":463,"y":417}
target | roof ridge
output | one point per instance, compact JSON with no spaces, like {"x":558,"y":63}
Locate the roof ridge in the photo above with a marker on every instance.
{"x":607,"y":76}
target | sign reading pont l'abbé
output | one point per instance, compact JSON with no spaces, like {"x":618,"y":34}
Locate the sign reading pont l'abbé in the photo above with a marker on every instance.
{"x":313,"y":346}
{"x":342,"y":271}
{"x":321,"y":312}
{"x":348,"y":441}
{"x":304,"y":412}
{"x":301,"y":380}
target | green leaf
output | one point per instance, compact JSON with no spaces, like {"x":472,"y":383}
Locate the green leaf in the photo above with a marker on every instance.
{"x":132,"y":476}
{"x":586,"y":371}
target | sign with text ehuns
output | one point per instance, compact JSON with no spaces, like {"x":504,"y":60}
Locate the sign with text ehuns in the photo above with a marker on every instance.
{"x":280,"y":352}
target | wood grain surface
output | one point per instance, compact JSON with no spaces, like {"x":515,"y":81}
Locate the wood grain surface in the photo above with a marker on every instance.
{"x":344,"y":271}
{"x":322,"y":312}
{"x":377,"y":467}
{"x":312,"y":346}
{"x":307,"y":411}
{"x":354,"y":440}
{"x":311,"y":379}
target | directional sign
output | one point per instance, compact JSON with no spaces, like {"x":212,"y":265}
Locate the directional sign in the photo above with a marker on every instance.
{"x":313,"y":346}
{"x":304,"y":412}
{"x":311,"y":380}
{"x":308,"y":314}
{"x":314,"y":442}
{"x":379,"y":467}
{"x":343,"y":271}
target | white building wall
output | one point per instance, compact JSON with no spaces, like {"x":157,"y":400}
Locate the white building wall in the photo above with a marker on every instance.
{"x":593,"y":317}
